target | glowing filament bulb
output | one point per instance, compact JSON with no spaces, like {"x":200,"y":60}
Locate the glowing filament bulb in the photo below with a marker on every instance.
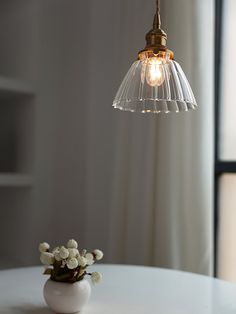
{"x":155,"y":71}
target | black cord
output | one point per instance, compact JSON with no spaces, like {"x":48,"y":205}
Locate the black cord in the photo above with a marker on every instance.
{"x":157,"y":19}
{"x":158,"y":6}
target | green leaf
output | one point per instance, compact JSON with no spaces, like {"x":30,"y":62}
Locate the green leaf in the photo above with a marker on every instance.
{"x":47,"y":271}
{"x":63,"y":277}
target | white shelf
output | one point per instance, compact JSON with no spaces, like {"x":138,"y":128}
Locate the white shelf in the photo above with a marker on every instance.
{"x":15,"y":180}
{"x":10,"y":86}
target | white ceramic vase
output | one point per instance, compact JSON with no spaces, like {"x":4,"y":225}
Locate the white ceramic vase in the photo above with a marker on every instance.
{"x":66,"y":297}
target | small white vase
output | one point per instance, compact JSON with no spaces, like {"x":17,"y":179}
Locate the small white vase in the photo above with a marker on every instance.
{"x":66,"y":297}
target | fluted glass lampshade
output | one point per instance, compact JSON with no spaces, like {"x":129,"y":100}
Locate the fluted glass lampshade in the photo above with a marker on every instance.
{"x":155,"y":84}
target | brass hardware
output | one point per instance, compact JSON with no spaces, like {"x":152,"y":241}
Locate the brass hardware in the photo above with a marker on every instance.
{"x":150,"y":53}
{"x":156,"y":38}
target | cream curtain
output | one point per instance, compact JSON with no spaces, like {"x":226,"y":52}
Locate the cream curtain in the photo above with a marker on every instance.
{"x":150,"y":177}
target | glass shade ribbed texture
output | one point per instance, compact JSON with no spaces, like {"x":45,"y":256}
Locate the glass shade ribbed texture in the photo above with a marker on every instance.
{"x":155,"y":85}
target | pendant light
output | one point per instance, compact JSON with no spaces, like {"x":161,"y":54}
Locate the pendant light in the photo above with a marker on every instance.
{"x":155,"y":82}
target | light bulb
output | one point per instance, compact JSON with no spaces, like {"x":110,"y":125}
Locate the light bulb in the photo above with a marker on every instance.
{"x":154,"y":71}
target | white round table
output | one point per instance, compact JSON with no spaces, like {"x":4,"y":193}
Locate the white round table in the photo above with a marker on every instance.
{"x":125,"y":290}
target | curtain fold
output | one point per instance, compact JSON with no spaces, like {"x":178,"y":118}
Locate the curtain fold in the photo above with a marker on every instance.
{"x":156,"y":195}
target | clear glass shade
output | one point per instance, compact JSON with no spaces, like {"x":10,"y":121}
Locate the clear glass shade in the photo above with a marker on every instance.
{"x":155,"y":84}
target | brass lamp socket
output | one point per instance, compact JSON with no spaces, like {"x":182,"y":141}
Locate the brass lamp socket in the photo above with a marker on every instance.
{"x":155,"y":44}
{"x":156,"y":37}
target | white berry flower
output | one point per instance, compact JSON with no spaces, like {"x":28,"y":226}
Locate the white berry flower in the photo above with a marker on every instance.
{"x":43,"y":247}
{"x":72,"y":263}
{"x":98,"y":254}
{"x":47,"y":258}
{"x":57,"y":256}
{"x":82,"y":261}
{"x":72,"y":244}
{"x":64,"y":253}
{"x":73,"y":252}
{"x":96,"y":277}
{"x":89,"y":258}
{"x":56,"y":249}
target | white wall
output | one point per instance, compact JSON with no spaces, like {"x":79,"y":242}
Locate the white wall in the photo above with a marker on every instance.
{"x":76,"y":54}
{"x":79,"y":67}
{"x":61,"y":121}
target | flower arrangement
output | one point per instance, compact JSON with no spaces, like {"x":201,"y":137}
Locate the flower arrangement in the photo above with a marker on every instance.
{"x":68,"y":263}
